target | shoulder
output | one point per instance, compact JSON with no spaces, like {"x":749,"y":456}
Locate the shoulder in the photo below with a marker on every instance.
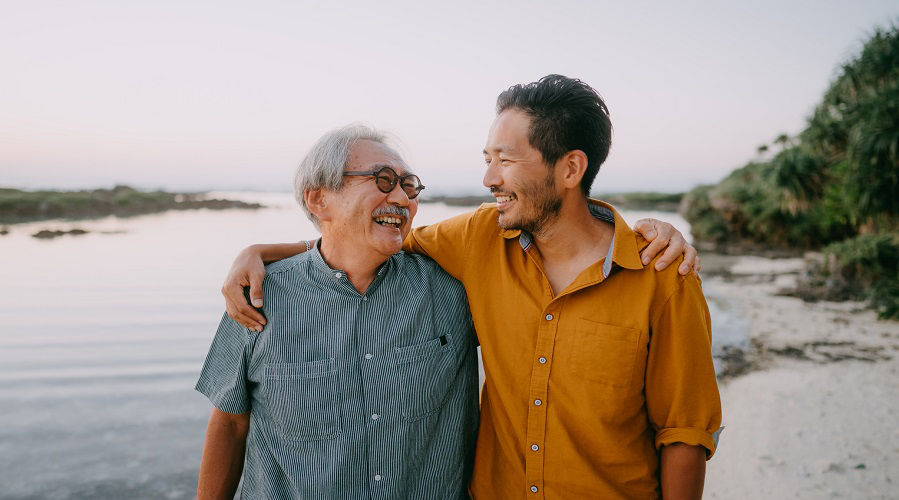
{"x":485,"y":216}
{"x":422,"y":269}
{"x":667,"y":281}
{"x":287,"y":266}
{"x":484,"y":228}
{"x":415,"y":265}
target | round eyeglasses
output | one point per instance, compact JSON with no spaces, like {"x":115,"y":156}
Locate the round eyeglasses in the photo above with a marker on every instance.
{"x":386,"y":179}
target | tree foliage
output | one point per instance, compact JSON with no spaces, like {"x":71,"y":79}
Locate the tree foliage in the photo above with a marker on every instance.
{"x":837,"y":179}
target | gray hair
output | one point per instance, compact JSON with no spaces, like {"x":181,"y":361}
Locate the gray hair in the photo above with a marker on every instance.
{"x":323,"y":166}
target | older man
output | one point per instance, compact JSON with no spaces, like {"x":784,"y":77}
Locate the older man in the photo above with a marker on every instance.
{"x":599,"y":375}
{"x":364,"y":382}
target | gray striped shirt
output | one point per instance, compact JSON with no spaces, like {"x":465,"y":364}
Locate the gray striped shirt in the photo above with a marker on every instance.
{"x":352,"y":396}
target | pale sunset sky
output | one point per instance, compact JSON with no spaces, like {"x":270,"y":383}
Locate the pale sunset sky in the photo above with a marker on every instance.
{"x":193,"y":95}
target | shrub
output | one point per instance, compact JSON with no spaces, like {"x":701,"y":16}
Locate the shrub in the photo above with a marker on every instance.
{"x":869,"y":265}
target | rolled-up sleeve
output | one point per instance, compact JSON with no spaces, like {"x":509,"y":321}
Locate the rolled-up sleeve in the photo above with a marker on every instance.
{"x":224,"y":376}
{"x":681,"y":387}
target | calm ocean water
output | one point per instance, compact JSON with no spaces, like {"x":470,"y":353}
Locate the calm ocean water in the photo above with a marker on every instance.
{"x":103,"y":336}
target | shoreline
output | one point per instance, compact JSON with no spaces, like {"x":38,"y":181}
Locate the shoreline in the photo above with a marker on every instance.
{"x":19,"y":206}
{"x":809,"y":404}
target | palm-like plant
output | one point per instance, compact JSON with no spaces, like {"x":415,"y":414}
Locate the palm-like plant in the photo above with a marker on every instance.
{"x":856,"y":128}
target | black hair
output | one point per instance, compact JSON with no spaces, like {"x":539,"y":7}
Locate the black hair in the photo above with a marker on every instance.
{"x":566,"y":114}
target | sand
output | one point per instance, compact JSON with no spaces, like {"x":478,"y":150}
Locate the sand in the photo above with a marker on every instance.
{"x":816,"y":415}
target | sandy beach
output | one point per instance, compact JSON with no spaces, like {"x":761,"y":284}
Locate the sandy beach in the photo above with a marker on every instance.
{"x":813,"y":413}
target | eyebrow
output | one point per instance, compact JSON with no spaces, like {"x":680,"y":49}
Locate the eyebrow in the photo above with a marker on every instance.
{"x":501,"y":149}
{"x":404,"y":170}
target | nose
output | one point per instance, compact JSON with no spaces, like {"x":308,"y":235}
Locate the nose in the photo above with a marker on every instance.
{"x":398,"y":197}
{"x":492,"y":176}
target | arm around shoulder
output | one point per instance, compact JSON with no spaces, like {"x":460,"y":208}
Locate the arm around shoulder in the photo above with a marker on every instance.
{"x":248,"y":270}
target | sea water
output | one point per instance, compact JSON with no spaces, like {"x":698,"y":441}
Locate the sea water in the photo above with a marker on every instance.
{"x":102,"y":337}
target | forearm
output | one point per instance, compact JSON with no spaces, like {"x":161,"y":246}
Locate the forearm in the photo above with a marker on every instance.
{"x":683,"y":471}
{"x":273,"y":252}
{"x":223,"y":456}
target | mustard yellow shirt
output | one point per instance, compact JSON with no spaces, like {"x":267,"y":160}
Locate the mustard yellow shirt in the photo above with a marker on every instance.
{"x":582,"y":388}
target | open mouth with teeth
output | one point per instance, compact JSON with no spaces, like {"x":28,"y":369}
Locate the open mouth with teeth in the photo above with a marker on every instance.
{"x":394,"y":221}
{"x":504,"y":200}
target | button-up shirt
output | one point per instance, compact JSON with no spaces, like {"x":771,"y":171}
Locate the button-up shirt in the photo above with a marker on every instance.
{"x":352,"y":395}
{"x":583,"y":386}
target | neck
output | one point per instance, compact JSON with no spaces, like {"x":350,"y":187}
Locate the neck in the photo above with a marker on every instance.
{"x":573,"y":232}
{"x":360,"y":267}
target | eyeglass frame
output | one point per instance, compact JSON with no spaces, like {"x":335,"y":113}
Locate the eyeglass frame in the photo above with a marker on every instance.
{"x":397,"y":179}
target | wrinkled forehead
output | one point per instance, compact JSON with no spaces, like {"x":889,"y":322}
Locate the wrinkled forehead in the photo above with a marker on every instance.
{"x":371,"y":155}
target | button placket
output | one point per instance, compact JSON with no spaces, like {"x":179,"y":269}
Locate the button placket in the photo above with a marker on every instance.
{"x":539,"y":383}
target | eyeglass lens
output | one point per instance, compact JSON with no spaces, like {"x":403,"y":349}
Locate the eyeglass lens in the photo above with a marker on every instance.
{"x":387,"y":179}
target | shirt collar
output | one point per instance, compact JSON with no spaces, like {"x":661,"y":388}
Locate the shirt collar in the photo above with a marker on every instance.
{"x":624,"y":249}
{"x":339,"y":275}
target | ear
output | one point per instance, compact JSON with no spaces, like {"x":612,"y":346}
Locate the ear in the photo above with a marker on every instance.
{"x":570,"y":169}
{"x":317,"y":203}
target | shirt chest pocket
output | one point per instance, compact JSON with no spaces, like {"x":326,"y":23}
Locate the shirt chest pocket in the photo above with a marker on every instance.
{"x":604,"y":353}
{"x":426,"y":375}
{"x":302,"y":399}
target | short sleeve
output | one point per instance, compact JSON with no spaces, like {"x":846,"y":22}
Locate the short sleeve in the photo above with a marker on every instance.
{"x":446,"y":242}
{"x":224,"y":376}
{"x":681,"y":386}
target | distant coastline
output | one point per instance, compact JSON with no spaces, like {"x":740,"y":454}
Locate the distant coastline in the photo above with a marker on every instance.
{"x":663,"y":202}
{"x":18,"y":206}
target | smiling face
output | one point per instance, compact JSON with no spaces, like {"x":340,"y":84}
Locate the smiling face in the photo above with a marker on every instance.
{"x":524,"y":186}
{"x":359,"y":215}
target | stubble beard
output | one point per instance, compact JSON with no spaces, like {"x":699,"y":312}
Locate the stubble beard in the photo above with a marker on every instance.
{"x":544,"y":206}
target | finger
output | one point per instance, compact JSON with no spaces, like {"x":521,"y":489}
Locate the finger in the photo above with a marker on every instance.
{"x":240,"y":318}
{"x":246,"y":321}
{"x":236,"y":301}
{"x":698,"y":265}
{"x":689,"y":260}
{"x":646,"y":228}
{"x":674,"y":250}
{"x":256,"y":289}
{"x":653,"y":249}
{"x":248,"y":310}
{"x":233,"y":294}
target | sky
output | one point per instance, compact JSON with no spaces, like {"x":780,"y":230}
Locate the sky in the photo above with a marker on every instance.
{"x":192,"y":95}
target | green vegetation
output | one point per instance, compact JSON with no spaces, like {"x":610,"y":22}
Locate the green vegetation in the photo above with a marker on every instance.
{"x":869,"y":266}
{"x":20,"y":206}
{"x":458,"y":200}
{"x":835,"y":186}
{"x":668,"y":202}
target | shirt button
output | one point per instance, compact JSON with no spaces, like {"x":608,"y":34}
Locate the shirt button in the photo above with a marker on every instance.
{"x":533,"y":489}
{"x":375,"y":416}
{"x":538,"y":402}
{"x":368,"y":355}
{"x":338,"y":275}
{"x":542,"y":360}
{"x":534,"y":447}
{"x":364,"y":297}
{"x":549,"y":317}
{"x":377,"y":477}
